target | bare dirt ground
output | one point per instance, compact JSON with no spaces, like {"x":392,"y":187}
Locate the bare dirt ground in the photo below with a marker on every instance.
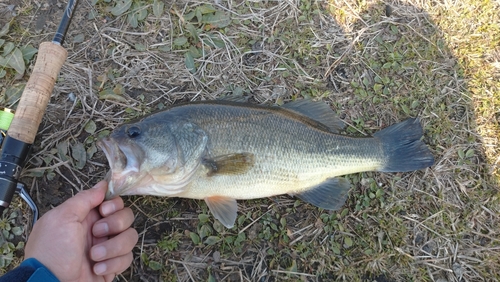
{"x":375,"y":63}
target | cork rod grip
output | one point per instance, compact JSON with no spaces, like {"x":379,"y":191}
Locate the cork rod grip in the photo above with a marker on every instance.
{"x":37,"y":92}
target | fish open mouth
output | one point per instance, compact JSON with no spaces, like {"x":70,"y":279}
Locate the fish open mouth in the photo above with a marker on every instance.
{"x":123,"y":161}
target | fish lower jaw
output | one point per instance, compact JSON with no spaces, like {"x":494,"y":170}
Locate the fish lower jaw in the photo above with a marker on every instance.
{"x":119,"y":183}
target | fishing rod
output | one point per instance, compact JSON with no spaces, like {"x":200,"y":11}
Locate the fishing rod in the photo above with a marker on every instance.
{"x":21,"y":131}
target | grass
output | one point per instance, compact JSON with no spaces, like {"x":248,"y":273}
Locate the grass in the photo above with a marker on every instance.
{"x":375,"y":63}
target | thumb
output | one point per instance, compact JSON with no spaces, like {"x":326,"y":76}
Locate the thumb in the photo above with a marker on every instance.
{"x":82,"y":203}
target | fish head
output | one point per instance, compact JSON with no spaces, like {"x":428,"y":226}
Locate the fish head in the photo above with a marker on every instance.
{"x":143,"y":159}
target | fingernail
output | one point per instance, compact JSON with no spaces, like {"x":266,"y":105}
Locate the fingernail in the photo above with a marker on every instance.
{"x":98,"y":253}
{"x":100,"y":229}
{"x":99,"y":268}
{"x":107,"y":208}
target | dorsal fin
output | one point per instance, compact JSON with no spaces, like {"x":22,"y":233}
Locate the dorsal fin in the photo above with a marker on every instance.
{"x":317,"y":111}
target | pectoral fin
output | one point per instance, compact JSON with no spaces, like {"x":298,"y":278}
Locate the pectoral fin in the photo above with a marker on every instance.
{"x":330,"y":195}
{"x":224,"y":209}
{"x":229,"y":164}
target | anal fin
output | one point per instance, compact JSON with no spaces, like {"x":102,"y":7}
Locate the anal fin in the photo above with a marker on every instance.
{"x":330,"y":195}
{"x":224,"y":209}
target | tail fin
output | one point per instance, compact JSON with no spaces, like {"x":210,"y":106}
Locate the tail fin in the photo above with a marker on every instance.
{"x":403,"y":148}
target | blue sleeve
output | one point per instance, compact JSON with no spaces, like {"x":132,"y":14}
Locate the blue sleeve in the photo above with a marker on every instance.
{"x":30,"y":270}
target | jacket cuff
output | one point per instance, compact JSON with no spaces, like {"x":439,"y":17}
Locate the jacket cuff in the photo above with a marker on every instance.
{"x":41,"y":273}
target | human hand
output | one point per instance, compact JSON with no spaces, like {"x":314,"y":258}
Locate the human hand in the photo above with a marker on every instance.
{"x":78,"y":242}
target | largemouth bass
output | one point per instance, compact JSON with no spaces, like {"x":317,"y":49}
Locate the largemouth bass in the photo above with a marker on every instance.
{"x":223,"y":151}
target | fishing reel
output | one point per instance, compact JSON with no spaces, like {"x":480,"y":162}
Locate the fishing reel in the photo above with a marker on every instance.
{"x":12,"y":154}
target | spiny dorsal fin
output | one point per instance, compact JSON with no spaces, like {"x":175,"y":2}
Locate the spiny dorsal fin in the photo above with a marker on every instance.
{"x":224,"y":209}
{"x":229,"y":164}
{"x":317,"y":111}
{"x":330,"y":195}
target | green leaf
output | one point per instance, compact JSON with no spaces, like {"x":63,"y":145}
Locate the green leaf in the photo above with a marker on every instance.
{"x":28,"y":52}
{"x":154,"y":265}
{"x":348,"y":242}
{"x":377,"y":87}
{"x":79,"y":38}
{"x":17,"y":230}
{"x":199,"y":15}
{"x":158,"y":8}
{"x":205,"y":231}
{"x":215,"y":42}
{"x":218,"y":20}
{"x":13,"y":94}
{"x":336,"y":250}
{"x":415,"y":104}
{"x":79,"y":154}
{"x":50,"y":175}
{"x":20,"y":245}
{"x":103,"y":133}
{"x":142,"y":13}
{"x":405,"y":109}
{"x":195,"y":238}
{"x":5,"y":29}
{"x":16,"y":61}
{"x":92,"y":14}
{"x":189,"y":16}
{"x":211,"y":278}
{"x":469,"y":153}
{"x":165,"y":48}
{"x":3,"y":62}
{"x":212,"y":240}
{"x":2,"y":41}
{"x":121,"y":7}
{"x":189,"y":60}
{"x":218,"y":227}
{"x":62,"y":150}
{"x":203,"y":217}
{"x":8,"y":47}
{"x":194,"y":32}
{"x":241,"y":219}
{"x":2,"y":73}
{"x":140,"y":47}
{"x":90,"y":127}
{"x":132,"y":19}
{"x":206,"y":9}
{"x":144,"y":258}
{"x":179,"y":41}
{"x":195,"y":52}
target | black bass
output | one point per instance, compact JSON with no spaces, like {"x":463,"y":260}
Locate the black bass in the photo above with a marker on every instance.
{"x":223,"y":151}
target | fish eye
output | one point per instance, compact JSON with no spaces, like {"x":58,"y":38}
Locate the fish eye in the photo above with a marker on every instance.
{"x":133,"y":131}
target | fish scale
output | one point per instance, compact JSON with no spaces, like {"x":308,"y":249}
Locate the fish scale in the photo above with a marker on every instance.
{"x":291,"y":148}
{"x":221,"y":151}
